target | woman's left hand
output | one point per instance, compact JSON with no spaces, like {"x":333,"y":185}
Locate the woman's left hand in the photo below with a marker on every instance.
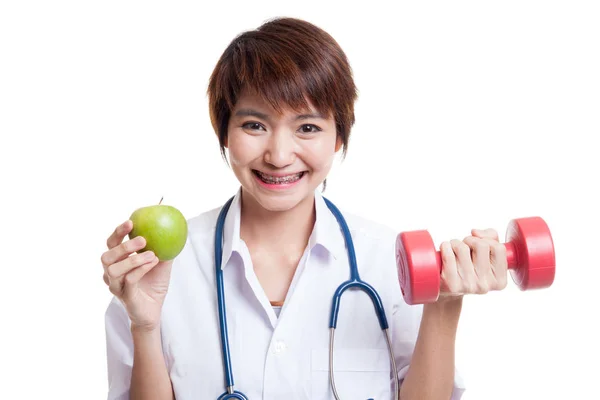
{"x":475,"y":265}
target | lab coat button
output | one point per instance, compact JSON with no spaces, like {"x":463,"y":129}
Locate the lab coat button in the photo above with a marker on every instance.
{"x":279,"y":347}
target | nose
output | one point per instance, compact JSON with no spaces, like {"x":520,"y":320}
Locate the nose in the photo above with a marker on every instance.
{"x":280,"y":150}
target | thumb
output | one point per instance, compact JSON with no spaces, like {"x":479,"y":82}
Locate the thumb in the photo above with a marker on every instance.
{"x":485,"y":233}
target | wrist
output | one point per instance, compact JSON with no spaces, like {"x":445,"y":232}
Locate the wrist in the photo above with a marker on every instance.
{"x":448,"y":303}
{"x":145,"y":330}
{"x":444,"y":313}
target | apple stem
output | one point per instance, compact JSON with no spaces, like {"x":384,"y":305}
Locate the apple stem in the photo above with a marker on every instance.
{"x":161,"y":199}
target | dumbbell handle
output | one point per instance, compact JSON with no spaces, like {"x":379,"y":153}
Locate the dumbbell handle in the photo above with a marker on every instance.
{"x":511,"y":256}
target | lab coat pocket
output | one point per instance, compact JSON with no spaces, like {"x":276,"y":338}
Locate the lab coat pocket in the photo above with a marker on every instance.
{"x":359,"y":374}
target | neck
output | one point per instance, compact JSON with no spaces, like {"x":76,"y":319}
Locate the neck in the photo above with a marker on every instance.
{"x":289,"y":229}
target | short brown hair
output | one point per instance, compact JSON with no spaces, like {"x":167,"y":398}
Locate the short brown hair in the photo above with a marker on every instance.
{"x":284,"y":60}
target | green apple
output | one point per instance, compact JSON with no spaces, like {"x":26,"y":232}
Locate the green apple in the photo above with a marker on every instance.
{"x":164,"y":227}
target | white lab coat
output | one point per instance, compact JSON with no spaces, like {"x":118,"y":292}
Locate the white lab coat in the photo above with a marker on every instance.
{"x":277,"y":357}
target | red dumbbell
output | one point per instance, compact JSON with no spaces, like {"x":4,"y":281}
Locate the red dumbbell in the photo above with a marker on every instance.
{"x":529,"y":252}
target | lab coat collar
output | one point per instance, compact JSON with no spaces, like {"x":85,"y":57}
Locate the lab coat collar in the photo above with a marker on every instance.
{"x":326,"y":232}
{"x":231,"y":229}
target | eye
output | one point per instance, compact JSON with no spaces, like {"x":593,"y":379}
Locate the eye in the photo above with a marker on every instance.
{"x":253,"y":126}
{"x":309,"y":128}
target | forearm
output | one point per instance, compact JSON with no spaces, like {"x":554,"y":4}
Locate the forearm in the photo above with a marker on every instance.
{"x":431,"y":371}
{"x":150,"y":378}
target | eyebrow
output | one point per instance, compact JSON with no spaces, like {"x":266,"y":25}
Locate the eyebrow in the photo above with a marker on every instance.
{"x":248,"y":112}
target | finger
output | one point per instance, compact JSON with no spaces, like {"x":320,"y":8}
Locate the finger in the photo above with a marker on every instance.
{"x":450,"y":278}
{"x":122,"y":251}
{"x":134,"y":276}
{"x":485,"y":233}
{"x":119,"y":234}
{"x":465,"y":267}
{"x":119,"y":270}
{"x":480,"y":255}
{"x":116,"y":286}
{"x":499,"y":264}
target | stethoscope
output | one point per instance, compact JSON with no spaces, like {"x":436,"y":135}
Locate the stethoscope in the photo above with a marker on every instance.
{"x":354,"y":282}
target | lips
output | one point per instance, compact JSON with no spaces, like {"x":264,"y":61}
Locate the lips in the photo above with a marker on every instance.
{"x":278,"y":180}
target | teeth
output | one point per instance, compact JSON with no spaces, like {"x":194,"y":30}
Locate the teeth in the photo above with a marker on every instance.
{"x":279,"y":179}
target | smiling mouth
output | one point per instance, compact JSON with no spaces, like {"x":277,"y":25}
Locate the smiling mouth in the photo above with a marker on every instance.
{"x":278,"y":180}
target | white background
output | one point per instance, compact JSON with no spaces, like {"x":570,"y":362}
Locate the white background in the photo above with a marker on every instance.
{"x":471,"y":113}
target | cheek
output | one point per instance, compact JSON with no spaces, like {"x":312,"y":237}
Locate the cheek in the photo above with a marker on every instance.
{"x":320,"y":155}
{"x":242,"y":149}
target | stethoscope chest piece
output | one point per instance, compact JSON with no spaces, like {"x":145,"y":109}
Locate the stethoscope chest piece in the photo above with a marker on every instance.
{"x":235,"y":395}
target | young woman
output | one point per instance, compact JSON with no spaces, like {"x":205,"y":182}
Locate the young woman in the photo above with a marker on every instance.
{"x":282,"y":105}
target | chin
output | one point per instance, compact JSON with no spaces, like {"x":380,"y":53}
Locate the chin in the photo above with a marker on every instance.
{"x":278,"y":203}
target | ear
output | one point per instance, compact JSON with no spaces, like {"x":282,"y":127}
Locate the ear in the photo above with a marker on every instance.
{"x":338,"y":143}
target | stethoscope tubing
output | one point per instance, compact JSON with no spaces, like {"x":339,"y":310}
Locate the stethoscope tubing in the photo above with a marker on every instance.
{"x":221,"y":299}
{"x":354,"y":283}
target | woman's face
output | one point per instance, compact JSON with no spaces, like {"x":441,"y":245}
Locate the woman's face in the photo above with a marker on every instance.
{"x":279,"y":159}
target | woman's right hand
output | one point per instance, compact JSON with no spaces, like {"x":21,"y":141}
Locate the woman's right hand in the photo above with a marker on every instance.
{"x":140,"y":281}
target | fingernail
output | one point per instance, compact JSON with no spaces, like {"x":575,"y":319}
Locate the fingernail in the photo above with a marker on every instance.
{"x":149,"y":255}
